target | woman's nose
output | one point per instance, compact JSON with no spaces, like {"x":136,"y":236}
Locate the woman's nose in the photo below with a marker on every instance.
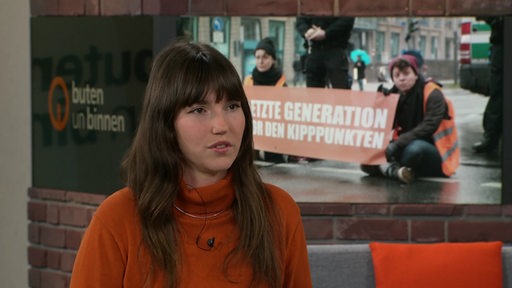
{"x":219,"y":123}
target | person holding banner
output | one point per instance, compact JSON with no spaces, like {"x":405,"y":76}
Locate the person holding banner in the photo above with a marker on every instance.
{"x":266,"y":73}
{"x":424,"y":142}
{"x":194,"y":212}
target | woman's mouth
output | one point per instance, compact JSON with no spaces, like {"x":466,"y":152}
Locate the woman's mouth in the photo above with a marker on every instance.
{"x":220,"y":146}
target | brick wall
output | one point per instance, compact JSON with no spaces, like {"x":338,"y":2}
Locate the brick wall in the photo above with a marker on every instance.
{"x":371,"y":8}
{"x":345,"y":222}
{"x":58,"y":219}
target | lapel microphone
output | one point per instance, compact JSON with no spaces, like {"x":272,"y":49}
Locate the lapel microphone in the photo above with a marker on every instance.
{"x":210,"y":242}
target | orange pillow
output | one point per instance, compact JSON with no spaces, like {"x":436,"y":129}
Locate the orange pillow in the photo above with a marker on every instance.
{"x":439,"y":265}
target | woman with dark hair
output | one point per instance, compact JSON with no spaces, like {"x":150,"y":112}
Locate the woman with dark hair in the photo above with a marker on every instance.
{"x":266,"y":73}
{"x":425,"y":140}
{"x":195,"y":212}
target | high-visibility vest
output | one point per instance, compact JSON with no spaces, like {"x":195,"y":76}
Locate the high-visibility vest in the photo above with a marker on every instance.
{"x":248,"y":81}
{"x":445,"y":137}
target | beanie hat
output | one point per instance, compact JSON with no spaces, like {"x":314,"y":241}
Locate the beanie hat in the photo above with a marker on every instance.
{"x":267,"y":45}
{"x":417,"y":54}
{"x":407,"y":58}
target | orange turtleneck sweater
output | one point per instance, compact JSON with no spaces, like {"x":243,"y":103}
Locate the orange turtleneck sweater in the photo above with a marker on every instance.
{"x":110,"y":253}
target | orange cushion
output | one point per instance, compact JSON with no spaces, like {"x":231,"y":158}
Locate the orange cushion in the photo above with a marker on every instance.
{"x":439,"y":265}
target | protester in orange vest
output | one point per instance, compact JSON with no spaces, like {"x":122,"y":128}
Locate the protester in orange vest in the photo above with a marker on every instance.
{"x":425,"y":136}
{"x":266,"y":73}
{"x":194,"y":212}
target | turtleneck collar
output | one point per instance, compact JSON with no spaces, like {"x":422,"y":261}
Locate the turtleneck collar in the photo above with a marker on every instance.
{"x":207,"y":199}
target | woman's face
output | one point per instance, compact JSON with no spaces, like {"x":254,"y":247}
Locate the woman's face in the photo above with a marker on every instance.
{"x":209,"y":135}
{"x":263,"y":60}
{"x":404,"y":79}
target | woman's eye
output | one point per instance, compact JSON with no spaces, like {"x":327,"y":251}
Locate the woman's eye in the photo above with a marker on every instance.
{"x":234,"y":106}
{"x":198,"y":110}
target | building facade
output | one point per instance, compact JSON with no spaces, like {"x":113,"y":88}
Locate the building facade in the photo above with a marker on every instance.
{"x":382,"y":37}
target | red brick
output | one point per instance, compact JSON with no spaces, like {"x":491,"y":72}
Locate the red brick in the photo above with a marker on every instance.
{"x":36,"y":211}
{"x":44,"y":7}
{"x":53,"y":259}
{"x":475,"y":230}
{"x":125,"y":7}
{"x":317,"y":7}
{"x":53,"y":236}
{"x":34,"y":278}
{"x":165,"y":7}
{"x":151,"y":7}
{"x":68,"y":280}
{"x":52,"y":279}
{"x":372,"y":209}
{"x":258,"y":7}
{"x":318,"y":229}
{"x":34,"y":233}
{"x":67,"y":260}
{"x":92,"y":7}
{"x":90,"y":214}
{"x":507,"y":210}
{"x":201,"y":7}
{"x":428,"y":8}
{"x":428,"y":231}
{"x":481,"y":210}
{"x":458,"y":211}
{"x":73,"y":215}
{"x":374,"y":8}
{"x":73,"y":238}
{"x":71,"y":7}
{"x":52,"y":213}
{"x":85,"y":198}
{"x":477,"y":7}
{"x":33,"y":193}
{"x":331,"y":209}
{"x":37,"y":256}
{"x":47,"y":194}
{"x":423,"y":209}
{"x":371,"y":229}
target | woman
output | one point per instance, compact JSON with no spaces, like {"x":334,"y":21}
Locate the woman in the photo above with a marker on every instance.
{"x":195,"y":212}
{"x":266,"y":73}
{"x":425,"y":136}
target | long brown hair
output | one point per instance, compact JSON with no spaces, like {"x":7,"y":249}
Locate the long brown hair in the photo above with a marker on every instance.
{"x":182,"y":74}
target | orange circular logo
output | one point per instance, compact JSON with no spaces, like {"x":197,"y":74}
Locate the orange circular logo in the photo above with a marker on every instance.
{"x":58,"y":121}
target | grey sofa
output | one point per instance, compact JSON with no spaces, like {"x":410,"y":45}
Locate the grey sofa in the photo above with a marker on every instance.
{"x":350,"y":266}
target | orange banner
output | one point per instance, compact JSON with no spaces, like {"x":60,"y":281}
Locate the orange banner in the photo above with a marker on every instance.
{"x":333,"y":124}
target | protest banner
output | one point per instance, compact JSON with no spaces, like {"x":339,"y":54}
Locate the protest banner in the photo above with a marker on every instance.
{"x":333,"y":124}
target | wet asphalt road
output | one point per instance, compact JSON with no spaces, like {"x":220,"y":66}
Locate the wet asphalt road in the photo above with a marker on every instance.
{"x":477,"y":181}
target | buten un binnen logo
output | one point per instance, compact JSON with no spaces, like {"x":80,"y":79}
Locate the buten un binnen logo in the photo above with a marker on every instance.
{"x":87,"y":109}
{"x":58,"y":117}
